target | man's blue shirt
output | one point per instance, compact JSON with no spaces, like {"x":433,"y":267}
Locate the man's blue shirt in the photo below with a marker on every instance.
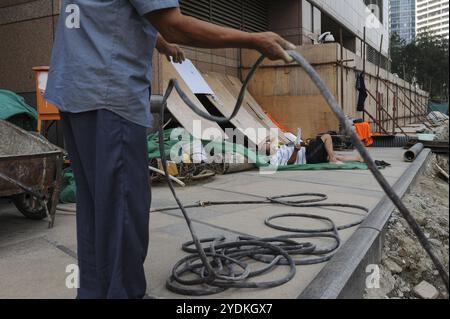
{"x":102,"y":57}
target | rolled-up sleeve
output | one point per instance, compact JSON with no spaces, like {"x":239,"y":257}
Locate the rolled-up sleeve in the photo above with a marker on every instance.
{"x":145,"y":6}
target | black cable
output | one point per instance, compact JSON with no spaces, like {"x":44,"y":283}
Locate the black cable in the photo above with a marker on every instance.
{"x":224,"y":264}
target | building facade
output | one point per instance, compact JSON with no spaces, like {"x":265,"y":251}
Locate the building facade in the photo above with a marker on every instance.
{"x":402,"y":15}
{"x":432,"y":16}
{"x":302,"y":21}
{"x":27,"y":31}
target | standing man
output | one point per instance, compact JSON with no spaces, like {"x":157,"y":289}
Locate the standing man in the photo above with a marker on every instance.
{"x":99,"y":78}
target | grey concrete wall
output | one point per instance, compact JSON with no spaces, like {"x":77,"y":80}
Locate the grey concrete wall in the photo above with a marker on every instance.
{"x":26,"y":37}
{"x":285,"y":18}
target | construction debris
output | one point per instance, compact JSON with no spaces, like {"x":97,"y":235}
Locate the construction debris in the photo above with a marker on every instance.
{"x":392,"y":266}
{"x":442,"y":172}
{"x":425,"y":290}
{"x":442,"y":132}
{"x":406,"y":271}
{"x":437,"y":117}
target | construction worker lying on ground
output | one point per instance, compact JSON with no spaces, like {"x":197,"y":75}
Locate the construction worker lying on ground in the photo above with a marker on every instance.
{"x":318,"y":151}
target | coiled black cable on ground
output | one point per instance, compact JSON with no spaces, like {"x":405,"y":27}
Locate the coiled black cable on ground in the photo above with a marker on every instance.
{"x":226,"y":256}
{"x":264,"y":250}
{"x":224,"y":264}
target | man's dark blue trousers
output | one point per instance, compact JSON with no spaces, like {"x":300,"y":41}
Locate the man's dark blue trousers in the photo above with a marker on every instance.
{"x":109,"y":159}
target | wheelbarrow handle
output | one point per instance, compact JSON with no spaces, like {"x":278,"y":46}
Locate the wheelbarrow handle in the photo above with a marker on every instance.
{"x":25,"y":188}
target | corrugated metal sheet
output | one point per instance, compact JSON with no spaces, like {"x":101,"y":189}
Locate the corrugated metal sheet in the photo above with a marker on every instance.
{"x":197,"y":8}
{"x":255,"y":15}
{"x":247,"y":15}
{"x":376,"y":58}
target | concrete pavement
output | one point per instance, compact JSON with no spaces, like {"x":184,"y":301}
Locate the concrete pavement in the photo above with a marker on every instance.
{"x":33,"y":259}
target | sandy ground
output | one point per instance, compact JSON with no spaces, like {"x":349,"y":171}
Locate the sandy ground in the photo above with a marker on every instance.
{"x":405,"y":263}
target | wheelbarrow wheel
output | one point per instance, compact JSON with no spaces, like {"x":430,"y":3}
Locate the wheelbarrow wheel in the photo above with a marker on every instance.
{"x":30,"y":207}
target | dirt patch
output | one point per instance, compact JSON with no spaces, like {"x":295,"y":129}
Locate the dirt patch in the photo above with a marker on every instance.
{"x":405,"y":263}
{"x":442,"y":131}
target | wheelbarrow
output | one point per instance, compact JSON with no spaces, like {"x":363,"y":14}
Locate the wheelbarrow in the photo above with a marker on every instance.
{"x":30,"y":172}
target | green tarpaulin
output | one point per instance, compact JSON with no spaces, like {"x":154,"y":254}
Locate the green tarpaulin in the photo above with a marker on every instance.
{"x":14,"y":109}
{"x":68,"y":188}
{"x":325,"y":167}
{"x":175,"y":138}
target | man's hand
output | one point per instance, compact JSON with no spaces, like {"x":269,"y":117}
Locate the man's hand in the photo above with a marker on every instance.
{"x":174,"y":51}
{"x":171,"y":51}
{"x":273,"y":46}
{"x":297,"y":147}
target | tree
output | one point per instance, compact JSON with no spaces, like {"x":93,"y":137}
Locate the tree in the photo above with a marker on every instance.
{"x":397,"y":46}
{"x":423,"y":61}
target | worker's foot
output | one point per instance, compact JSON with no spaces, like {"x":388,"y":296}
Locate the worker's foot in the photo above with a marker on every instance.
{"x":336,"y":162}
{"x":333,"y":160}
{"x":359,"y":159}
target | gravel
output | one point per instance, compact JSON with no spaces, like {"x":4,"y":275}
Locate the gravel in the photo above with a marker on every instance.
{"x":405,"y":264}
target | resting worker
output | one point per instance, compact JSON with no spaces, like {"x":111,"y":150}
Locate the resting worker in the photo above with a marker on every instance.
{"x":319,"y":151}
{"x":100,"y":75}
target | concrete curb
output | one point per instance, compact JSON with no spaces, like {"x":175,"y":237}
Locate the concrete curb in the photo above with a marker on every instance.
{"x":345,"y":275}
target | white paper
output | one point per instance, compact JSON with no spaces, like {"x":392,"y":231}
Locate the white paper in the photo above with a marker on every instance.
{"x":193,"y":78}
{"x":42,"y":81}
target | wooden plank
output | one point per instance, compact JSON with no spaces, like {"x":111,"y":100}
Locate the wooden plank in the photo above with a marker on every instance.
{"x":185,"y":116}
{"x":156,"y":76}
{"x":276,"y":79}
{"x":225,"y":102}
{"x":233,"y":85}
{"x":288,"y":81}
{"x":310,"y":113}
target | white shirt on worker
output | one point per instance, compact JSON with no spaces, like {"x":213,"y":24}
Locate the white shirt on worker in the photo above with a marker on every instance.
{"x":284,"y":153}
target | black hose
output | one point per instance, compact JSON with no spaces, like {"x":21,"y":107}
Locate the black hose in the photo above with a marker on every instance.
{"x":225,"y":264}
{"x":371,"y":164}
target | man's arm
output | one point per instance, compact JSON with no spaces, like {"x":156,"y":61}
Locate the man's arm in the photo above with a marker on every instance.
{"x":184,"y":30}
{"x":293,"y":158}
{"x":169,"y":50}
{"x":294,"y":155}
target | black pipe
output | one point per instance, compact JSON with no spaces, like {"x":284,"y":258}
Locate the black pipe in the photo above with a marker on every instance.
{"x":156,"y":103}
{"x":411,"y":154}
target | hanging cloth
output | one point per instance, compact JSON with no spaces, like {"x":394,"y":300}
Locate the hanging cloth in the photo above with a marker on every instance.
{"x":364,"y":133}
{"x":361,"y":87}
